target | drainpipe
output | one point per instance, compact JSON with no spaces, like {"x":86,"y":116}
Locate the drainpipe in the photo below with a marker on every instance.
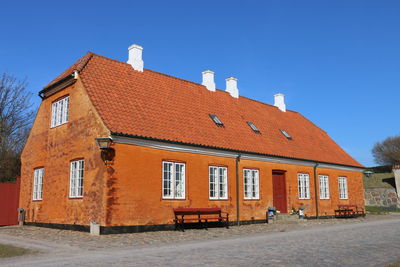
{"x":316,"y":190}
{"x":237,"y":190}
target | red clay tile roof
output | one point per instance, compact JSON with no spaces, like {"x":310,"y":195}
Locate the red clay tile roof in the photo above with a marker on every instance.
{"x":76,"y":66}
{"x":154,"y":105}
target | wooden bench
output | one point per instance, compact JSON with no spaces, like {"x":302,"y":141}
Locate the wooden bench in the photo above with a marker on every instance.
{"x":349,"y":211}
{"x":199,"y":215}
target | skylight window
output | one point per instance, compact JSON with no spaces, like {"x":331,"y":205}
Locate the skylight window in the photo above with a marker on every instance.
{"x":217,"y":121}
{"x":286,"y":134}
{"x":253,"y":127}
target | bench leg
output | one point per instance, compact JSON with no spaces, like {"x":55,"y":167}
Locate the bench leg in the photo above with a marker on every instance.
{"x":178,"y":225}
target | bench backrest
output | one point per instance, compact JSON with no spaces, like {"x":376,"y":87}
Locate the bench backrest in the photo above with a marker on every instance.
{"x":346,"y":206}
{"x":196,"y":211}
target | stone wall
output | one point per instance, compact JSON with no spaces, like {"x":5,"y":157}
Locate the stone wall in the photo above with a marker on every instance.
{"x":383,"y":197}
{"x":380,"y":188}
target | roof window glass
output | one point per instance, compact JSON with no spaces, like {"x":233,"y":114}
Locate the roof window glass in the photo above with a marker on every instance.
{"x":253,"y":127}
{"x":286,"y":134}
{"x":217,"y":121}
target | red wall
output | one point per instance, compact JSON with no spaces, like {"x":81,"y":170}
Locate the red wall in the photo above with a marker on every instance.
{"x":9,"y":199}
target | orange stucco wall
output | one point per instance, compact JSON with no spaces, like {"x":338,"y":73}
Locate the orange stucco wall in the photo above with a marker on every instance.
{"x":54,"y":149}
{"x":136,"y":190}
{"x":128,"y":192}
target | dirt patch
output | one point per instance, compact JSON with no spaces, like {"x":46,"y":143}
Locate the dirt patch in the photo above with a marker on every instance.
{"x":7,"y":251}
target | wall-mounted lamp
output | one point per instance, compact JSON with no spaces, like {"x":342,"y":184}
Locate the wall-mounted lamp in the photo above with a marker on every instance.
{"x":104,"y":142}
{"x":107,"y":153}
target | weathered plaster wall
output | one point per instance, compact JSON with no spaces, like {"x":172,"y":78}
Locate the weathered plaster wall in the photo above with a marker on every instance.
{"x":134,"y":190}
{"x":54,"y":149}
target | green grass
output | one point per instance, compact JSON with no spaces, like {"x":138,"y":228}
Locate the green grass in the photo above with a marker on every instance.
{"x":11,"y":251}
{"x":379,"y":180}
{"x":381,"y":209}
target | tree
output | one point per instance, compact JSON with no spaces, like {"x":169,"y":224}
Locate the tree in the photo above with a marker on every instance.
{"x":16,"y":118}
{"x":387,"y":152}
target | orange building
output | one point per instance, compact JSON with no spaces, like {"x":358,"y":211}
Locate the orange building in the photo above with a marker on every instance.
{"x":172,"y":143}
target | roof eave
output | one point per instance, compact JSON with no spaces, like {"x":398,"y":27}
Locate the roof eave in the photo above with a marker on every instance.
{"x":232,"y":150}
{"x":67,"y":80}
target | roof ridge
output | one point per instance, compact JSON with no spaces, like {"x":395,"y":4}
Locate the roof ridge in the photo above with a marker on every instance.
{"x":154,"y":71}
{"x":170,"y":76}
{"x":77,"y":65}
{"x":314,"y":124}
{"x":85,"y":61}
{"x":258,"y":101}
{"x":91,"y":54}
{"x":108,"y":58}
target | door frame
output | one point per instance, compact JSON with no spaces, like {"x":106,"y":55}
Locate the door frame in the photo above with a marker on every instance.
{"x":279,"y":172}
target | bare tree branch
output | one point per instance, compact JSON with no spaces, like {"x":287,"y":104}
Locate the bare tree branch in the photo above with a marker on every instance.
{"x":387,"y":152}
{"x":16,"y":118}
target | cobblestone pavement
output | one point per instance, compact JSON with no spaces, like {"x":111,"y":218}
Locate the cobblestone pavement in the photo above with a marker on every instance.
{"x":373,"y":241}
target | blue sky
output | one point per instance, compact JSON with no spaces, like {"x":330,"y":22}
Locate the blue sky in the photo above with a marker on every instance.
{"x":337,"y":62}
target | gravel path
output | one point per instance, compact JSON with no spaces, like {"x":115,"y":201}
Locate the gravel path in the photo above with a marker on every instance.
{"x":374,"y":241}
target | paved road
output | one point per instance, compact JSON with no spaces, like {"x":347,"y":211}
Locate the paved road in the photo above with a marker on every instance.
{"x":371,"y":243}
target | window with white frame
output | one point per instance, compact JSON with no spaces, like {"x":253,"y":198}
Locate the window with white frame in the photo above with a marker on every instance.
{"x":173,"y":180}
{"x":218,"y":182}
{"x":59,"y":112}
{"x":323,"y":187}
{"x":343,"y":188}
{"x":38,"y":184}
{"x":303,"y":185}
{"x":251,"y":184}
{"x":76,"y":178}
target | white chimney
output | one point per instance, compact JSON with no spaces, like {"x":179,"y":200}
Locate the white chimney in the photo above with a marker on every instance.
{"x":135,"y":57}
{"x":208,"y":80}
{"x":280,"y":102}
{"x":231,"y":87}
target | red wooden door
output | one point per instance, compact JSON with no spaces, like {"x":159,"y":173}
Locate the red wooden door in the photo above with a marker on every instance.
{"x":9,"y":198}
{"x":279,"y":188}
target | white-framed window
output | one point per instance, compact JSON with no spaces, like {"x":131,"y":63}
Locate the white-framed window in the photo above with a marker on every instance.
{"x":218,"y":182}
{"x":343,"y":188}
{"x":76,"y":178}
{"x":59,"y":112}
{"x":251,"y":184}
{"x":38,"y":184}
{"x":323,"y":187}
{"x":173,"y":180}
{"x":303,"y":185}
